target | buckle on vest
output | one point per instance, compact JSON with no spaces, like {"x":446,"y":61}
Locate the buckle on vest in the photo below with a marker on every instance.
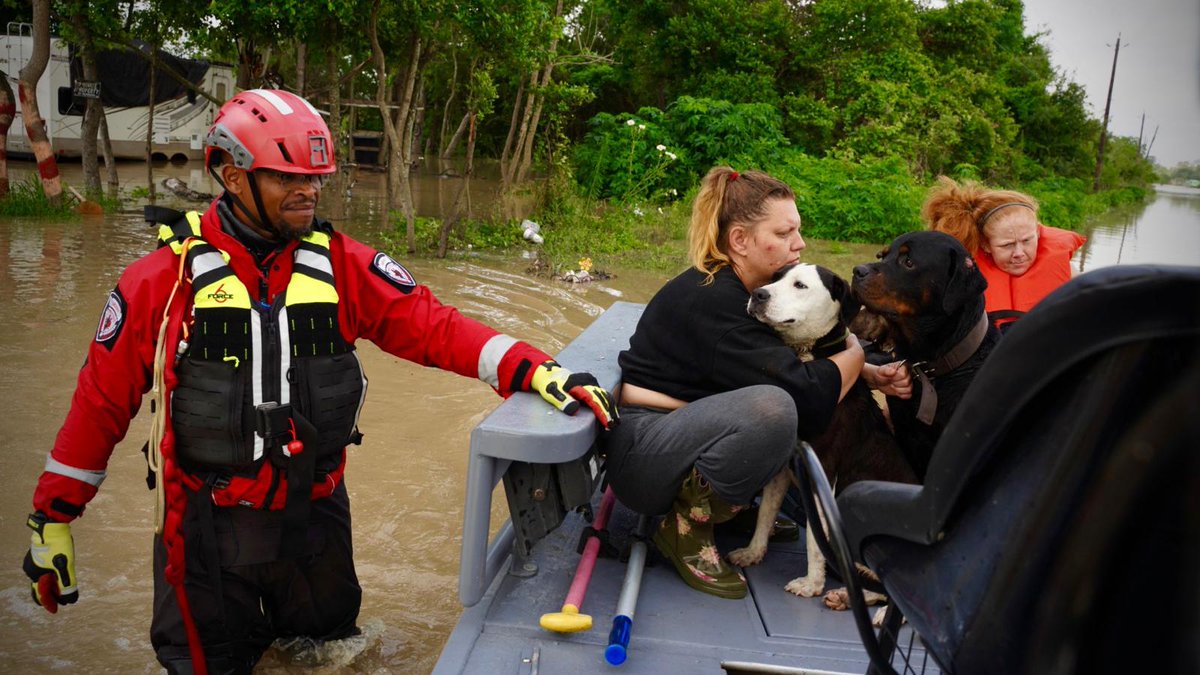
{"x":274,"y":422}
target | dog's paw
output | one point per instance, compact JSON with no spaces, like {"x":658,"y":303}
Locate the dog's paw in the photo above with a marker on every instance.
{"x":806,"y":587}
{"x":838,"y":599}
{"x":745,"y":557}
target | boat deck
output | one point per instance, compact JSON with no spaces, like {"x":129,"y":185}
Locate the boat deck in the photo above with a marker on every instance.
{"x":675,"y":629}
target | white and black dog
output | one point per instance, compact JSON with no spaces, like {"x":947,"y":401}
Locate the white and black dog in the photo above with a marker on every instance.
{"x":811,"y":307}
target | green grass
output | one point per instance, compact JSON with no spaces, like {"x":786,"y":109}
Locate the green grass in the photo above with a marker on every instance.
{"x":27,"y":199}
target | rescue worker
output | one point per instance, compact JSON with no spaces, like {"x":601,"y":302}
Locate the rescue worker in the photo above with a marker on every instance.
{"x":242,"y":325}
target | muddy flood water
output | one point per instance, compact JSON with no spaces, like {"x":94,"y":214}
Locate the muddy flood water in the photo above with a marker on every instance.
{"x":405,"y":480}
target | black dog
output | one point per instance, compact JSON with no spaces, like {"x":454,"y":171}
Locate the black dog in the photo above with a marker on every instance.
{"x":929,"y":293}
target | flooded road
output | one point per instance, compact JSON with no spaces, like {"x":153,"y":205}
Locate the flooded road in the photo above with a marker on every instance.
{"x":405,"y":480}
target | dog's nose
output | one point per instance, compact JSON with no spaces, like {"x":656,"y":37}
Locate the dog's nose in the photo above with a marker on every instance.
{"x":761,"y":294}
{"x":861,"y":271}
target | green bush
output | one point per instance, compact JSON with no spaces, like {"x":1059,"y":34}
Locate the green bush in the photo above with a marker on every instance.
{"x":870,"y":201}
{"x":657,"y":155}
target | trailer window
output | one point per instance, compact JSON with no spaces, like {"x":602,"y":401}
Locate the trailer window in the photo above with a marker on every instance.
{"x":67,"y":103}
{"x":221,"y":92}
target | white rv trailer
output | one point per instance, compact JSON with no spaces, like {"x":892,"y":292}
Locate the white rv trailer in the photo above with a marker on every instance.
{"x":180,"y":122}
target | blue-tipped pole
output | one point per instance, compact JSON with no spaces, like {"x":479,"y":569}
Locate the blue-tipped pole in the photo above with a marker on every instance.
{"x":622,"y":628}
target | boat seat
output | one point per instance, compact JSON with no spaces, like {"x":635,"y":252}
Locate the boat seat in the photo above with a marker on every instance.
{"x":1066,"y":483}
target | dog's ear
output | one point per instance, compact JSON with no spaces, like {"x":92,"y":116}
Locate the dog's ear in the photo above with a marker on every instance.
{"x":965,"y":281}
{"x":839,"y":290}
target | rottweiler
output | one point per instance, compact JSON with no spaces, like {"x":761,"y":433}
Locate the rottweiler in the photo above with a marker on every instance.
{"x":928,"y":292}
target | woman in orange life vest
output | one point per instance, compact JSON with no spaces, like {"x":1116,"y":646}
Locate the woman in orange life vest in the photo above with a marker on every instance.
{"x":1022,"y":260}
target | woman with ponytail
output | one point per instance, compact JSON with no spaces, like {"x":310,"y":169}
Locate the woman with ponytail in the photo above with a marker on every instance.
{"x":712,"y":399}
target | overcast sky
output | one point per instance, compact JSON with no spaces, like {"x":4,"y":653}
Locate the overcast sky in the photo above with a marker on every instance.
{"x":1158,"y":71}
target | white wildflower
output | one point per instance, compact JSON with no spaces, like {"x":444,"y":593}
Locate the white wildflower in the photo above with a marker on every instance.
{"x":642,"y":127}
{"x":660,"y":147}
{"x":630,"y":123}
{"x":671,"y":155}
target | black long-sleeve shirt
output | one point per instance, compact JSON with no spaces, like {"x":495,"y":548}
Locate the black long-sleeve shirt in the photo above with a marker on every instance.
{"x":695,"y":340}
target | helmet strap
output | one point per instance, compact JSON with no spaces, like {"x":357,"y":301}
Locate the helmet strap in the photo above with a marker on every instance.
{"x":258,"y":202}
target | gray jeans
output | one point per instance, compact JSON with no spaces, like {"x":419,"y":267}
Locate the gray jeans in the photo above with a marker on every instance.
{"x":737,"y":440}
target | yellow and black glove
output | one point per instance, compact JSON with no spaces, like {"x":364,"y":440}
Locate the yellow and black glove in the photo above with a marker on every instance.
{"x":566,"y":390}
{"x":50,"y":563}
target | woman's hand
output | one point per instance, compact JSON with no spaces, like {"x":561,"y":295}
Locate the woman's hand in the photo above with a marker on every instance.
{"x":892,"y":379}
{"x":850,"y":363}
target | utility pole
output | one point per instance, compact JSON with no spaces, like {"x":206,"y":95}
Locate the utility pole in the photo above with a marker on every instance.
{"x":1141,"y":129}
{"x":1104,"y":125}
{"x":1151,"y":143}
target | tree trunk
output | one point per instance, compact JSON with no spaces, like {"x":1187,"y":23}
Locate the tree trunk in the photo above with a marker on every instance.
{"x":35,"y":126}
{"x":381,"y":89}
{"x":110,"y":162}
{"x":458,"y":133}
{"x":539,"y":98}
{"x":150,"y":121}
{"x":94,"y":108}
{"x":464,"y":191}
{"x":405,"y":113}
{"x":8,"y":110}
{"x":446,"y":108}
{"x":507,"y":164}
{"x":512,"y":133}
{"x":335,"y":127}
{"x":301,"y":57}
{"x":418,"y":121}
{"x":527,"y":155}
{"x":247,"y":63}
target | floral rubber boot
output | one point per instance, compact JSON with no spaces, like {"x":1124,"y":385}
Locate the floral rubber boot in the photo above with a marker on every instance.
{"x":685,"y":537}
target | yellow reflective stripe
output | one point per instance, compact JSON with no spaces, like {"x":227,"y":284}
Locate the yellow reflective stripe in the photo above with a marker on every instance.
{"x":227,"y":291}
{"x":303,"y":289}
{"x":319,"y":238}
{"x":167,"y":235}
{"x":193,"y":219}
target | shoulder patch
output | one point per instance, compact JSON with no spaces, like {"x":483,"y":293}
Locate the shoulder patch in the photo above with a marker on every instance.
{"x":393,"y":272}
{"x":112,"y":319}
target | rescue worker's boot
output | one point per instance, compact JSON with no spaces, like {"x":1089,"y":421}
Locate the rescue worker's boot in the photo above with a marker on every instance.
{"x":685,"y":537}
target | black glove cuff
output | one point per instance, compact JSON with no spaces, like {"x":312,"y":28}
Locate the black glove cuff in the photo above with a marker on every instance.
{"x":580,"y":380}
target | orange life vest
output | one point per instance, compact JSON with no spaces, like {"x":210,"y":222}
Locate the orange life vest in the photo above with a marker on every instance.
{"x":1009,"y":297}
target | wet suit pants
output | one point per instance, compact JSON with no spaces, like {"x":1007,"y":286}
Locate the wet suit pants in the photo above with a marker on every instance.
{"x":257,"y":597}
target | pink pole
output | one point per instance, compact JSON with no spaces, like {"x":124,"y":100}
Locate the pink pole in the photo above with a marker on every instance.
{"x":587,"y":562}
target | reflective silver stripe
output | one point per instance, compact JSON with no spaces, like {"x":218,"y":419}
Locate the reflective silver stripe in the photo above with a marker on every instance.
{"x":206,"y":262}
{"x":93,"y":478}
{"x":271,"y":96}
{"x":363,"y":398}
{"x":285,"y":356}
{"x":256,"y":376}
{"x":491,"y":355}
{"x":315,"y":261}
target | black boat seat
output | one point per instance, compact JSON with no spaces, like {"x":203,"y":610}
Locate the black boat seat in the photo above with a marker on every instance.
{"x":1067,"y":480}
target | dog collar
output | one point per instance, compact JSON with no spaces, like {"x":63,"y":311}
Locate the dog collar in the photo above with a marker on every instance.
{"x":840,"y":338}
{"x":958,"y":355}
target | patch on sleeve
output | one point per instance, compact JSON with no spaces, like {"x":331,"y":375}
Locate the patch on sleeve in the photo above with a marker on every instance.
{"x":393,"y":272}
{"x":112,"y":319}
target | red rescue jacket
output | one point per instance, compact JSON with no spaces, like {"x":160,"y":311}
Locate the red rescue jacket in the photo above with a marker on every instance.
{"x":378,"y":301}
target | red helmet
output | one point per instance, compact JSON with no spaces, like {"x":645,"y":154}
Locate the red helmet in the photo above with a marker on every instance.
{"x":271,"y":129}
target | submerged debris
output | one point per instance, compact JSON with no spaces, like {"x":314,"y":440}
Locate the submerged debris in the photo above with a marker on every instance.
{"x":181,"y":189}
